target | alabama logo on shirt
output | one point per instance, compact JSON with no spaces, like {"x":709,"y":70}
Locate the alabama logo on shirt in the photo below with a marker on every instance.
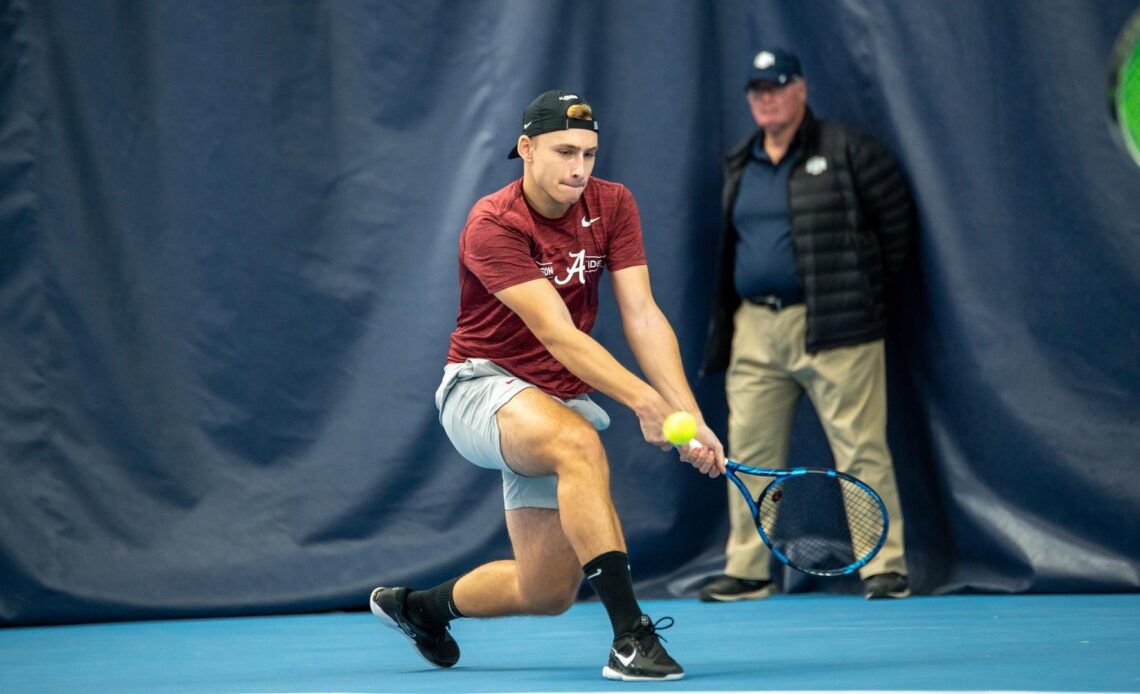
{"x":579,"y":266}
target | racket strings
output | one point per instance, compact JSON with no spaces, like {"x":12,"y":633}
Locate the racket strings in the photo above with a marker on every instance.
{"x":820,"y":523}
{"x":864,"y":518}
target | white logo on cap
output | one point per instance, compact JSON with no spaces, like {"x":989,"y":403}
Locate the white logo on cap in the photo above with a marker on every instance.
{"x":567,"y":97}
{"x":815,"y":166}
{"x":527,"y":124}
{"x":764,"y":60}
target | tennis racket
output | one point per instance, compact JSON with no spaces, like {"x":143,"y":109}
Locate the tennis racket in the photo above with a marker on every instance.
{"x":816,"y":520}
{"x":1124,"y":86}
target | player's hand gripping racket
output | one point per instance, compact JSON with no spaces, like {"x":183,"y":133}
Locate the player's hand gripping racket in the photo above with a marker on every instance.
{"x":1124,"y":86}
{"x":815,"y":520}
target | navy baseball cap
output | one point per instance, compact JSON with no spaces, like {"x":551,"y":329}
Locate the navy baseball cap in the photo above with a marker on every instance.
{"x":774,"y":65}
{"x":547,"y":113}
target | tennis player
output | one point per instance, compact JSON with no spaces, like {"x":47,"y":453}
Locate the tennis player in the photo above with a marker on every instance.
{"x":514,"y":395}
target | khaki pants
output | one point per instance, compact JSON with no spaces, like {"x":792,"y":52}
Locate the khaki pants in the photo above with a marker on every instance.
{"x":768,"y":372}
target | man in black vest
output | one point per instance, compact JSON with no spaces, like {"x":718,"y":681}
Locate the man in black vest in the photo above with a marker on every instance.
{"x":818,"y":220}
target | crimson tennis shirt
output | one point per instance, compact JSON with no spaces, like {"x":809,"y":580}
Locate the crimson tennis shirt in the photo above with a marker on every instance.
{"x":505,"y":243}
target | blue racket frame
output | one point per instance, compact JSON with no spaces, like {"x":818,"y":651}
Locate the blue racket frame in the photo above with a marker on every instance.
{"x":734,"y":467}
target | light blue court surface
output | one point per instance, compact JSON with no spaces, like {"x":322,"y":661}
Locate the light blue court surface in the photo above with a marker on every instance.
{"x":1085,"y":643}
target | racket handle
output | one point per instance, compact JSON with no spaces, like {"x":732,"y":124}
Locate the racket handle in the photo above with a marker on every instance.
{"x":729,"y":464}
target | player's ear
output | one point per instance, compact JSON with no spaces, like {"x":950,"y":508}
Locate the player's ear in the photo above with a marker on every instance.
{"x":526,"y":148}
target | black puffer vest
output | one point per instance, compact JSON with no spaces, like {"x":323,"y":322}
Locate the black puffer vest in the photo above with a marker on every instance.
{"x":851,"y":222}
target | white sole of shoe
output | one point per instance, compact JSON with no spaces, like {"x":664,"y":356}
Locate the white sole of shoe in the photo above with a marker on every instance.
{"x":611,"y":674}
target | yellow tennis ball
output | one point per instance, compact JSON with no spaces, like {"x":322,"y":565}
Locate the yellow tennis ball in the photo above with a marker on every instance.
{"x":679,"y":428}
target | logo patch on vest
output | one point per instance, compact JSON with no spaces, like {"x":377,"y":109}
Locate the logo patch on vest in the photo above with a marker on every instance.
{"x":816,"y":165}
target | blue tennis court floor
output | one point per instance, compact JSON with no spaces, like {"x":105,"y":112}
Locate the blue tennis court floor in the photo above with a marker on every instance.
{"x":801,"y":643}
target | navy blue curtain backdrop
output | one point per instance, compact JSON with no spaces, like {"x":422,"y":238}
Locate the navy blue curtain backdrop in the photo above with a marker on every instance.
{"x":228,"y":274}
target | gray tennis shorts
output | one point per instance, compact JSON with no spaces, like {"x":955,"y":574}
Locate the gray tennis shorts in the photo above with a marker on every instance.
{"x":468,"y":398}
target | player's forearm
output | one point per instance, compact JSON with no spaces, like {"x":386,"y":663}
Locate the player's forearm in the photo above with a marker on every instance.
{"x":655,"y":347}
{"x":587,"y":359}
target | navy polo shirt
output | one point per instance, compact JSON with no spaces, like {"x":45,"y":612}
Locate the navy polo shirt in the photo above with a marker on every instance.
{"x":765,"y":260}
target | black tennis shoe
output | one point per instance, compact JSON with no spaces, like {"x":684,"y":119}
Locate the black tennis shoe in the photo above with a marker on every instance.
{"x":731,"y":589}
{"x":435,"y":645}
{"x":638,"y":655}
{"x":888,"y":585}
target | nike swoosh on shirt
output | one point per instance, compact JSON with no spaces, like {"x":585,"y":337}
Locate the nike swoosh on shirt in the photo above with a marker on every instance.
{"x":588,"y":222}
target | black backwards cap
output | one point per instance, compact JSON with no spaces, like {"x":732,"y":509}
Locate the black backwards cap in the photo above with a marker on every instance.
{"x":547,"y":113}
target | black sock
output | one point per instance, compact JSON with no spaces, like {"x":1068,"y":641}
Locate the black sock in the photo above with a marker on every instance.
{"x":433,"y":608}
{"x":609,"y":575}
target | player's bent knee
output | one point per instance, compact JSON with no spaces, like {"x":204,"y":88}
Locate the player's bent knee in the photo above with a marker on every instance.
{"x":579,"y":449}
{"x":550,"y":603}
{"x":551,"y":593}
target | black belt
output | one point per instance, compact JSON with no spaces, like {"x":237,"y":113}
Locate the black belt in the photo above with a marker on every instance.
{"x":773,"y":302}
